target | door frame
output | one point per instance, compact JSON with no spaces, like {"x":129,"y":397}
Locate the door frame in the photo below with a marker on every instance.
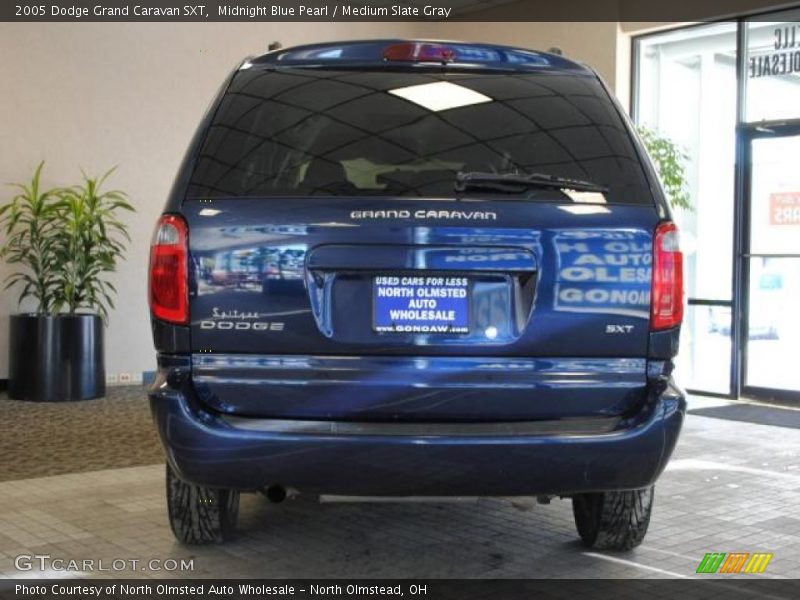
{"x":746,"y":134}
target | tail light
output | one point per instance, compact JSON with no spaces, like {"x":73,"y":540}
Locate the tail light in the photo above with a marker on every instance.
{"x":419,"y":52}
{"x":667,"y":294}
{"x":169,"y":298}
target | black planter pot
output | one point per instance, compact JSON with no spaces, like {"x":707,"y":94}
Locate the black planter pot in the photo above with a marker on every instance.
{"x":56,"y":358}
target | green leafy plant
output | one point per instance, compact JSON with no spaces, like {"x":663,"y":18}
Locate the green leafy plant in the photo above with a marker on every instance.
{"x":30,"y":222}
{"x":90,"y":241}
{"x":670,"y":162}
{"x":66,"y":241}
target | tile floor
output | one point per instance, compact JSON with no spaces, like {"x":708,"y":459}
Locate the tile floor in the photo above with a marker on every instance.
{"x":731,"y":487}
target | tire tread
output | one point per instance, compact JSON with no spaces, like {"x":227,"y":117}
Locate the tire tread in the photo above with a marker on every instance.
{"x":614,"y":520}
{"x":200,"y":515}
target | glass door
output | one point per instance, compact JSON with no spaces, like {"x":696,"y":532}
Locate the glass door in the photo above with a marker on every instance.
{"x":686,"y":91}
{"x":770,"y":331}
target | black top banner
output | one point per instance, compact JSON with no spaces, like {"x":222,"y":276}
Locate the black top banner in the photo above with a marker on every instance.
{"x":382,"y":10}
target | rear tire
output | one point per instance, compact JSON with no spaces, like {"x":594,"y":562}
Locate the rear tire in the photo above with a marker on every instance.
{"x":613,"y":520}
{"x":200,"y":515}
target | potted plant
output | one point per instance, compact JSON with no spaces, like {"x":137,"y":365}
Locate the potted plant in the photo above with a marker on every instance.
{"x":670,"y":162}
{"x":63,"y":243}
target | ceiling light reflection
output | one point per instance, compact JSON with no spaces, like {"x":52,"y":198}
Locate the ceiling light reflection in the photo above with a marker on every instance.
{"x":440,"y":96}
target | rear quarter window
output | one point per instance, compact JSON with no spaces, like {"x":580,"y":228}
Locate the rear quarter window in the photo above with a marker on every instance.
{"x":309,"y":132}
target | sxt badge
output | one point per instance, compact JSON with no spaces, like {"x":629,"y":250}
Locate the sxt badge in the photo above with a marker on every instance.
{"x":617,"y":329}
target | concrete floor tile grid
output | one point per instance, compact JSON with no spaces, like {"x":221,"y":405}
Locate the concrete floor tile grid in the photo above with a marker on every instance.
{"x":731,"y":487}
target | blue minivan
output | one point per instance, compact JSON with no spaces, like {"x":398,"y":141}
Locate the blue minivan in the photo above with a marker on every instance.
{"x":412,"y":268}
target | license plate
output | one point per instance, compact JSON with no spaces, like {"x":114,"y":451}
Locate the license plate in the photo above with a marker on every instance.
{"x":420,"y":304}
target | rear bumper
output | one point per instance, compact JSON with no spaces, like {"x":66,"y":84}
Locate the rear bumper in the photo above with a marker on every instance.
{"x":556,"y":457}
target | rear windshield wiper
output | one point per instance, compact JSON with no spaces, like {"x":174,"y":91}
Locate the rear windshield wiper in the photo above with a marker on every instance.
{"x":511,"y":183}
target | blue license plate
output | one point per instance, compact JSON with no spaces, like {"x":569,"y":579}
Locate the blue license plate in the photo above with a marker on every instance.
{"x":420,"y":304}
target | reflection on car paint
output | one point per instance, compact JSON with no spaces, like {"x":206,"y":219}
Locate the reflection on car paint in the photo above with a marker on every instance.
{"x":603,"y":271}
{"x":521,"y":277}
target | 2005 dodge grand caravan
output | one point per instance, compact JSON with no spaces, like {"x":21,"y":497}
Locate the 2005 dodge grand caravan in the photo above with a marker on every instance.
{"x":416,"y":268}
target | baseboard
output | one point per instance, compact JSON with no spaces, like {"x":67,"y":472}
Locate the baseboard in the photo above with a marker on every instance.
{"x":147,"y":378}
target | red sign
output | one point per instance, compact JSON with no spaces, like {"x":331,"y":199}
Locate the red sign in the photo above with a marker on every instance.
{"x":784,"y":208}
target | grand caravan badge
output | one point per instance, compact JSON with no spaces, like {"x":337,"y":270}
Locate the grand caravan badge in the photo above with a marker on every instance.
{"x":462,"y":215}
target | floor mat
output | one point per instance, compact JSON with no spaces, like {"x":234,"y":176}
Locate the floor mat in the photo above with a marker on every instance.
{"x":752,"y":413}
{"x":38,"y":439}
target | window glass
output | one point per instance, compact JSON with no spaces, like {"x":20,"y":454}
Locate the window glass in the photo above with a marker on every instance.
{"x":773,"y":324}
{"x":705,"y":349}
{"x":295,"y":132}
{"x":772,"y":67}
{"x":775,"y":196}
{"x":686,"y":91}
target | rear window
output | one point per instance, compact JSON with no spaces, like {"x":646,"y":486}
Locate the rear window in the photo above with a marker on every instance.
{"x":312,"y":132}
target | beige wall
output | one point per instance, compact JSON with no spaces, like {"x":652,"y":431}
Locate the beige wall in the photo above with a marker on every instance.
{"x":95,"y":95}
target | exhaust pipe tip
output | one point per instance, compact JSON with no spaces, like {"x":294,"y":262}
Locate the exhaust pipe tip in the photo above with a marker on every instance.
{"x":275,"y":493}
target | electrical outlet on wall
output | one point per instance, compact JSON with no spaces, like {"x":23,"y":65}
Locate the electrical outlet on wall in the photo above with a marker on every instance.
{"x":125,"y":378}
{"x":111,"y":378}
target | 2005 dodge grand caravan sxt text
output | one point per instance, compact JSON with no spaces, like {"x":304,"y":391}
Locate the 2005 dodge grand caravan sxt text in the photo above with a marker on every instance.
{"x":416,"y":269}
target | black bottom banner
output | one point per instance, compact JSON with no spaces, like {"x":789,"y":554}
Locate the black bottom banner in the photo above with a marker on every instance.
{"x":431,"y":589}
